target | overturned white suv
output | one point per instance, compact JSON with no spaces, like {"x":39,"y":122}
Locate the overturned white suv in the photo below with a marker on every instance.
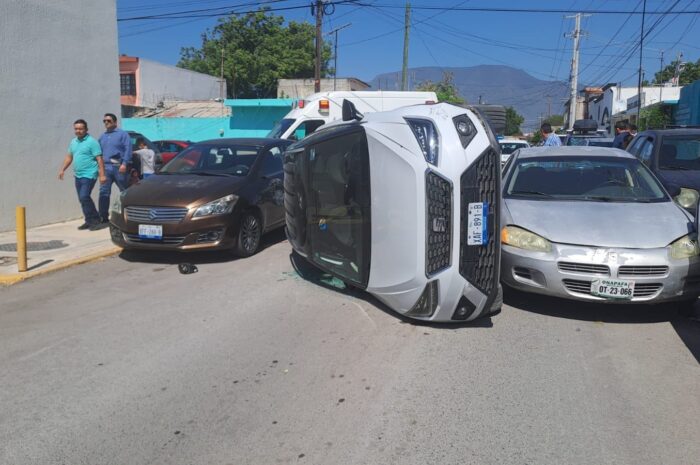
{"x":404,"y":204}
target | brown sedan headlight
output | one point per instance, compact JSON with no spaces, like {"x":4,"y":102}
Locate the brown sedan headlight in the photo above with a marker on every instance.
{"x":220,"y":206}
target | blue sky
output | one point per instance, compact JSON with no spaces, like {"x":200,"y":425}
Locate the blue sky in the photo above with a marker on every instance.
{"x":373,"y":44}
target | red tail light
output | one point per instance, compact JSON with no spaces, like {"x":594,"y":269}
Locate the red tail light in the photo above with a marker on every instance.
{"x":301,"y":103}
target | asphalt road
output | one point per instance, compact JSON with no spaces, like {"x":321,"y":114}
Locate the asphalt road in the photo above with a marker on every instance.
{"x":127,"y":361}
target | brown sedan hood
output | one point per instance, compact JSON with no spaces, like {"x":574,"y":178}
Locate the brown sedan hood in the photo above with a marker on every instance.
{"x":181,"y":190}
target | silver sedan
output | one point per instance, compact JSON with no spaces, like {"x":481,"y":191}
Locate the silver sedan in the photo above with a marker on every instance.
{"x":590,"y":223}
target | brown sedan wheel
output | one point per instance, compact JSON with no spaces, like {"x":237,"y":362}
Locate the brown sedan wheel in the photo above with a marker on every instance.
{"x":249,"y":235}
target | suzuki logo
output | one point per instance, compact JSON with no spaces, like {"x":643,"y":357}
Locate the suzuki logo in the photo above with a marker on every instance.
{"x":152,"y":215}
{"x":439,"y":225}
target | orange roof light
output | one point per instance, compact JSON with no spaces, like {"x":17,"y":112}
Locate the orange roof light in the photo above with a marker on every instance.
{"x":324,"y":105}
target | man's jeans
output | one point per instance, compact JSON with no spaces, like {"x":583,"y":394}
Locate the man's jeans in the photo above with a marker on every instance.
{"x":113,"y":176}
{"x":84,"y":188}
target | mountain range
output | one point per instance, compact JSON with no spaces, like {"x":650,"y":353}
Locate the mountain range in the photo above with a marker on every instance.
{"x":494,"y":84}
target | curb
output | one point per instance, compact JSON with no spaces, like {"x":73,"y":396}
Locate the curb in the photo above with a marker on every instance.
{"x":15,"y":278}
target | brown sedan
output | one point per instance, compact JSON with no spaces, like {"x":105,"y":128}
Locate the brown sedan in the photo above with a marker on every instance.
{"x":216,"y":194}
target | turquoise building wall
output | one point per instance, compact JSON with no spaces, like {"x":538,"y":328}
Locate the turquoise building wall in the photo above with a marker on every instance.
{"x":250,"y":118}
{"x":688,"y":110}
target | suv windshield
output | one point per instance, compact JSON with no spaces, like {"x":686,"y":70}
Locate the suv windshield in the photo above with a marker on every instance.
{"x":280,"y":128}
{"x":680,"y":153}
{"x":213,"y":160}
{"x":600,"y":179}
{"x":585,"y":140}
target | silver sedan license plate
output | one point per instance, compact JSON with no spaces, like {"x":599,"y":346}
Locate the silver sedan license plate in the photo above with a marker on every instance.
{"x":613,"y":288}
{"x":150,"y":231}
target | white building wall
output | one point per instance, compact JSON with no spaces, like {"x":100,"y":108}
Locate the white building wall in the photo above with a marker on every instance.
{"x":159,"y":82}
{"x":59,"y":62}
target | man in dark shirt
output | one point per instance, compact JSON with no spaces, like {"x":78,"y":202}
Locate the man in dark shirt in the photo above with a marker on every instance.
{"x":621,"y":131}
{"x":116,"y":150}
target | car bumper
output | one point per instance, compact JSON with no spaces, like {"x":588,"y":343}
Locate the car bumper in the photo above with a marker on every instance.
{"x":568,"y":272}
{"x":201,"y":234}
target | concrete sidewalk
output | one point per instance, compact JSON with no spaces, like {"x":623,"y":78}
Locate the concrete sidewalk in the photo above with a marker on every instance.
{"x":52,"y":247}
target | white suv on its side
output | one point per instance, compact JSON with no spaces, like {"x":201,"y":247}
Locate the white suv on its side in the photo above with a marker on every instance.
{"x":404,"y":204}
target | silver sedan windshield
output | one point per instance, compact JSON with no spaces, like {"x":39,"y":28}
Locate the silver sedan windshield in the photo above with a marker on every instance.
{"x":600,"y":179}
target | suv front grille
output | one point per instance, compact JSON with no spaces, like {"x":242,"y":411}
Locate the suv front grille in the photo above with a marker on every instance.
{"x":438,"y":219}
{"x":157,"y":215}
{"x":478,"y":264}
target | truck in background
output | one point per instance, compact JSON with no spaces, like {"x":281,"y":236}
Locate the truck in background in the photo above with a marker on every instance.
{"x":309,"y":114}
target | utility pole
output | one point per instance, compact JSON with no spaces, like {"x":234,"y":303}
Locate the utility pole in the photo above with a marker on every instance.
{"x":407,"y":27}
{"x":641,"y":51}
{"x":319,"y":45}
{"x":549,"y":106}
{"x":677,"y":70}
{"x":661,"y":70}
{"x":576,"y":35}
{"x":335,"y":51}
{"x":221,"y":82}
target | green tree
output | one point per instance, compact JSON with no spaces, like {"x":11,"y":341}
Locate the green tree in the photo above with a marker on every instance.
{"x":654,"y":116}
{"x":536,"y":138}
{"x":513,"y":122}
{"x":445,"y":90}
{"x":258,"y":49}
{"x":555,"y":120}
{"x":690,"y":72}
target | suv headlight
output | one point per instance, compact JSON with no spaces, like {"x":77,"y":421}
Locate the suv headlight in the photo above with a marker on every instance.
{"x":217,"y":207}
{"x":427,"y":137}
{"x":685,"y":247}
{"x":117,"y":204}
{"x":522,"y":239}
{"x":688,"y":198}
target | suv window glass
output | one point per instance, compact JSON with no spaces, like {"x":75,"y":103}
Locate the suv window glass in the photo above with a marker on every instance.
{"x":308,"y":127}
{"x":645,"y":151}
{"x":634,"y":146}
{"x":272,"y":163}
{"x":339,"y":181}
{"x":680,"y":153}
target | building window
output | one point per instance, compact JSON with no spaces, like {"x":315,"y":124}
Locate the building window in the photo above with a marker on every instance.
{"x":128,"y":84}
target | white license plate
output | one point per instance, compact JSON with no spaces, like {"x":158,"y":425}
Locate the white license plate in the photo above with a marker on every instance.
{"x":477,"y":232}
{"x":613,"y":288}
{"x":150,"y":231}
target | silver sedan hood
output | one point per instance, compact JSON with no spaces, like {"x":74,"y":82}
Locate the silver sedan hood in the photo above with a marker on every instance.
{"x":601,"y":224}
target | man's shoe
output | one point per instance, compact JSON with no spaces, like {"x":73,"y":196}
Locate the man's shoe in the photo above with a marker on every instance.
{"x":84,"y":226}
{"x":98,"y":226}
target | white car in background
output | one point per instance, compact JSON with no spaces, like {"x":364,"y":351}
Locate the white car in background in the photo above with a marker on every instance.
{"x":404,"y":204}
{"x":508,"y":146}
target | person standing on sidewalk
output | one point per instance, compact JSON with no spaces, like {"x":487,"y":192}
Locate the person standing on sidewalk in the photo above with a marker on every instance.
{"x":86,"y":156}
{"x":116,"y":149}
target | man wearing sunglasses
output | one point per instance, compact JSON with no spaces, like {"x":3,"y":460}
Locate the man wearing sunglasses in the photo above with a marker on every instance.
{"x":116,"y":150}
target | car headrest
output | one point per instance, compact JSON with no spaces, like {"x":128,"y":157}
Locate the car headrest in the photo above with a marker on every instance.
{"x":668,"y":153}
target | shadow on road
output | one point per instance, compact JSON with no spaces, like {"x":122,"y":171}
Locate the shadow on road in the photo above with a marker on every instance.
{"x":316,"y":276}
{"x":687,"y":328}
{"x":195,"y":257}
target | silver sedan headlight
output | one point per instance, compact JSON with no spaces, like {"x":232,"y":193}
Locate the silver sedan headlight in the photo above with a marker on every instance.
{"x":220,"y":206}
{"x":688,"y":198}
{"x":685,"y":247}
{"x":523,"y":239}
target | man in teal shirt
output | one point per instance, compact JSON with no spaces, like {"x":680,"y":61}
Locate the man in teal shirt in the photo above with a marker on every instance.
{"x":85,"y":154}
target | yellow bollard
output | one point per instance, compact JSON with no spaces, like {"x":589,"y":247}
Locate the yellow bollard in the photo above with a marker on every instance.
{"x":21,"y":240}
